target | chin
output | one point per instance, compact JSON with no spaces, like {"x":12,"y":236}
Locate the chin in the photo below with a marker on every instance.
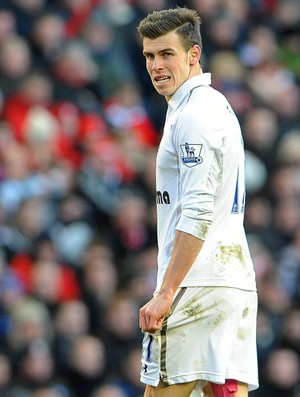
{"x":164,"y":92}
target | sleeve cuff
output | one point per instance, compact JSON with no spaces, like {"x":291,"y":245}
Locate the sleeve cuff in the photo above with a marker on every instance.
{"x":197,"y":228}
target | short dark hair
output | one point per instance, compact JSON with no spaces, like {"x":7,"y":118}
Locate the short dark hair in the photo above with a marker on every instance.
{"x":185,"y":22}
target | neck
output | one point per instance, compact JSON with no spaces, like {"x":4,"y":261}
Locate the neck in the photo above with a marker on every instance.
{"x":197,"y":69}
{"x":194,"y":72}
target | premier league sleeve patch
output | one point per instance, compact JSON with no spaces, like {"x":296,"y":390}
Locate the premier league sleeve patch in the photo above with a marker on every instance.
{"x":190,"y":154}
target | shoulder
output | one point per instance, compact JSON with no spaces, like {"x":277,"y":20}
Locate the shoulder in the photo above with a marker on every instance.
{"x":208,"y":98}
{"x":205,"y":107}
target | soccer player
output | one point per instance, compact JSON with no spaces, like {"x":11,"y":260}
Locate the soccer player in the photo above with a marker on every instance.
{"x":200,"y":326}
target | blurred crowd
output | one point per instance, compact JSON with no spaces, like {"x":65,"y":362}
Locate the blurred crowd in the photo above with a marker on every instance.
{"x":79,"y":127}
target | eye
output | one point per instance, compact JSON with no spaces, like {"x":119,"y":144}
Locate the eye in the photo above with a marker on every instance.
{"x":149,"y":57}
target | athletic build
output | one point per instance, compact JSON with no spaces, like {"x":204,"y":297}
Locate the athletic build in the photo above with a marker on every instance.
{"x":200,"y":325}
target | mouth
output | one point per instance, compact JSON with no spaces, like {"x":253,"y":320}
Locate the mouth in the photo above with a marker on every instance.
{"x":160,"y":80}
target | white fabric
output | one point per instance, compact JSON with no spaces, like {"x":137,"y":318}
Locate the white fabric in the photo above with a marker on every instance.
{"x":210,"y":336}
{"x":200,"y":187}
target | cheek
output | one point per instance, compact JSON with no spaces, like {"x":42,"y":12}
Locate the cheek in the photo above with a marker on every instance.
{"x":148,"y":67}
{"x":182,"y":73}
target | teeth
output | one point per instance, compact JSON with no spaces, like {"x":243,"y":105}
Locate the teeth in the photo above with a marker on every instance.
{"x":163,"y":79}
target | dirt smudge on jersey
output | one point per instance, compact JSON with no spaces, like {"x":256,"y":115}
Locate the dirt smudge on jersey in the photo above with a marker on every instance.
{"x":227,"y":252}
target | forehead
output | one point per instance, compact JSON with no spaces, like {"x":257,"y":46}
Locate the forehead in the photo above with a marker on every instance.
{"x":170,"y":40}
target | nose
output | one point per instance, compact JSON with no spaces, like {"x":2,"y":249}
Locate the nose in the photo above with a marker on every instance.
{"x":157,"y":64}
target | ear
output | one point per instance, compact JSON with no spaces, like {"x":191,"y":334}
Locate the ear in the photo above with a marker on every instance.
{"x":195,"y":53}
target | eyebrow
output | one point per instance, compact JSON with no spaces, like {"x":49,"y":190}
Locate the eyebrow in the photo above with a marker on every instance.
{"x":168,"y":49}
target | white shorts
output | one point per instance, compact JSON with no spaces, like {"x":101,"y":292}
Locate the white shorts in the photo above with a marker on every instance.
{"x":210,"y":335}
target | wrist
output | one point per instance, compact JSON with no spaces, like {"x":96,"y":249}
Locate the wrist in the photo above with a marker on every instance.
{"x":167,"y":293}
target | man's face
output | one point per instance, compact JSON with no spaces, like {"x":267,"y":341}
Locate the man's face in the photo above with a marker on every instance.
{"x":167,"y":62}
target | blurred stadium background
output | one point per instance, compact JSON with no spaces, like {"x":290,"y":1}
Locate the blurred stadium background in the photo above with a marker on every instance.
{"x":79,"y":127}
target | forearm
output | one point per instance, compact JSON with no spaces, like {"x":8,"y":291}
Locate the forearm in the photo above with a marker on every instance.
{"x":185,"y":250}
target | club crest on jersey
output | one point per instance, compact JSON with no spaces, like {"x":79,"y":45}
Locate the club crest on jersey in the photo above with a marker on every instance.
{"x":190,"y":154}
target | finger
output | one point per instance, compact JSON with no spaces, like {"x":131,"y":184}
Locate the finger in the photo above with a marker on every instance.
{"x":147,"y":324}
{"x":153,"y":324}
{"x":143,"y":324}
{"x":160,"y":323}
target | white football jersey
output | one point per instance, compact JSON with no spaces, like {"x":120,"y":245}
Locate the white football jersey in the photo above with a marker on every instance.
{"x":200,"y":178}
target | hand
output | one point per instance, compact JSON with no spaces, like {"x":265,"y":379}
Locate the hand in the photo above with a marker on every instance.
{"x":153,"y":313}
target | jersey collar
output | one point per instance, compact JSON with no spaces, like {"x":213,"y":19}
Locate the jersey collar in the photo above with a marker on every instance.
{"x":187,"y":86}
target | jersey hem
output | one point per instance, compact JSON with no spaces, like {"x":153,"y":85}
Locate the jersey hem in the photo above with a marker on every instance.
{"x":213,"y":283}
